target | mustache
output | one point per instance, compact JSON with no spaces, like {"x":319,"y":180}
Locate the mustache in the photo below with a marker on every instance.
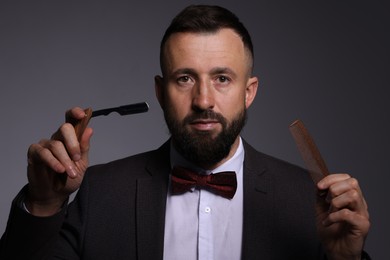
{"x":206,"y":114}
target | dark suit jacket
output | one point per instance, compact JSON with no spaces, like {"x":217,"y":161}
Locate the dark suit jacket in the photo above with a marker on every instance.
{"x":119,"y":213}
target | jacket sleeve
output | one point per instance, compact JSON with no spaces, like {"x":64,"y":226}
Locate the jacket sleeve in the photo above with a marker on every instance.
{"x":27,"y":236}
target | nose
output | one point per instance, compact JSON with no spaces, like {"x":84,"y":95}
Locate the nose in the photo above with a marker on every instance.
{"x":203,"y":97}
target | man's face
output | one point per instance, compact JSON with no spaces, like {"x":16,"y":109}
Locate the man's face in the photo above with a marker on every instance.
{"x":205,"y":92}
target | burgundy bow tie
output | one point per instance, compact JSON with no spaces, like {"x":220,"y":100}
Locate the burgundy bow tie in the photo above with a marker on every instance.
{"x":222,"y":183}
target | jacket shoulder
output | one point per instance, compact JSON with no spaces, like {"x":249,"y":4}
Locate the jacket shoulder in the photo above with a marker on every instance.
{"x":257,"y":158}
{"x":138,"y":165}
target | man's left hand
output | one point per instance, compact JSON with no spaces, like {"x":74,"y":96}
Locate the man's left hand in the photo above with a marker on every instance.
{"x":342,"y":216}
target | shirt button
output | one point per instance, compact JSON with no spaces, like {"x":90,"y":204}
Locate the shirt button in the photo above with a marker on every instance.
{"x":207,"y":210}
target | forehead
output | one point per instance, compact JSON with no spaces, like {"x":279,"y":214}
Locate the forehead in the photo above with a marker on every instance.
{"x":223,"y":48}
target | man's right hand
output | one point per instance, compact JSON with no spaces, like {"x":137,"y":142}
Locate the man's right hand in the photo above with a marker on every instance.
{"x":56,"y":167}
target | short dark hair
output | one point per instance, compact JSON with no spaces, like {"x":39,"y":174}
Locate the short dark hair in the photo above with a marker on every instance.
{"x":205,"y":19}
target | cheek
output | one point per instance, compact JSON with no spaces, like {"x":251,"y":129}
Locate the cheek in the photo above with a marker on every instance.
{"x":177,"y":105}
{"x":232,"y":104}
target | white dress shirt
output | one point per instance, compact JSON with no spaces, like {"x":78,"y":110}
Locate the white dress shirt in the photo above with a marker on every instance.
{"x":200,"y":225}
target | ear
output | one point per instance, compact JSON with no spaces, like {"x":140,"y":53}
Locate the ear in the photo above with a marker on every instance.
{"x":251,"y":90}
{"x":159,"y":89}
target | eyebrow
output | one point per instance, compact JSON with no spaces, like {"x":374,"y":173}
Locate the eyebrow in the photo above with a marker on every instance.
{"x":184,"y":71}
{"x":214,"y":71}
{"x":223,"y":70}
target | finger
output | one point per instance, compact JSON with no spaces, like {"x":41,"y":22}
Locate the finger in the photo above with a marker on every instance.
{"x":67,"y":135}
{"x":361,"y":222}
{"x":79,"y":119}
{"x":351,"y":200}
{"x":75,"y":113}
{"x":343,"y":186}
{"x":331,"y":179}
{"x":85,"y":141}
{"x":60,"y":153}
{"x":37,"y":155}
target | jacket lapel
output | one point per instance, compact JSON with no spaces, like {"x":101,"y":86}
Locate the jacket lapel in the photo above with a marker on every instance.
{"x":257,"y":205}
{"x":151,"y":202}
{"x":150,"y":205}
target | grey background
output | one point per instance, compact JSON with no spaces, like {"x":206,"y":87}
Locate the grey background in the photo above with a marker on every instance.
{"x":325,"y":62}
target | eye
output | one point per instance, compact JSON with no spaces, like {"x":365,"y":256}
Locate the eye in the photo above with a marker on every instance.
{"x":223,"y":79}
{"x":184,"y":79}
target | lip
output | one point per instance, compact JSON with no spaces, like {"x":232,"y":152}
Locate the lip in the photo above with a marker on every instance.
{"x":204,"y":124}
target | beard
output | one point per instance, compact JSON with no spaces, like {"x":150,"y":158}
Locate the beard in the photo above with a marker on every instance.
{"x":202,"y":147}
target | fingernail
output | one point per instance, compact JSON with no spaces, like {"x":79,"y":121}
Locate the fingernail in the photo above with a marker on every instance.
{"x":72,"y":172}
{"x":76,"y":157}
{"x":320,"y":185}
